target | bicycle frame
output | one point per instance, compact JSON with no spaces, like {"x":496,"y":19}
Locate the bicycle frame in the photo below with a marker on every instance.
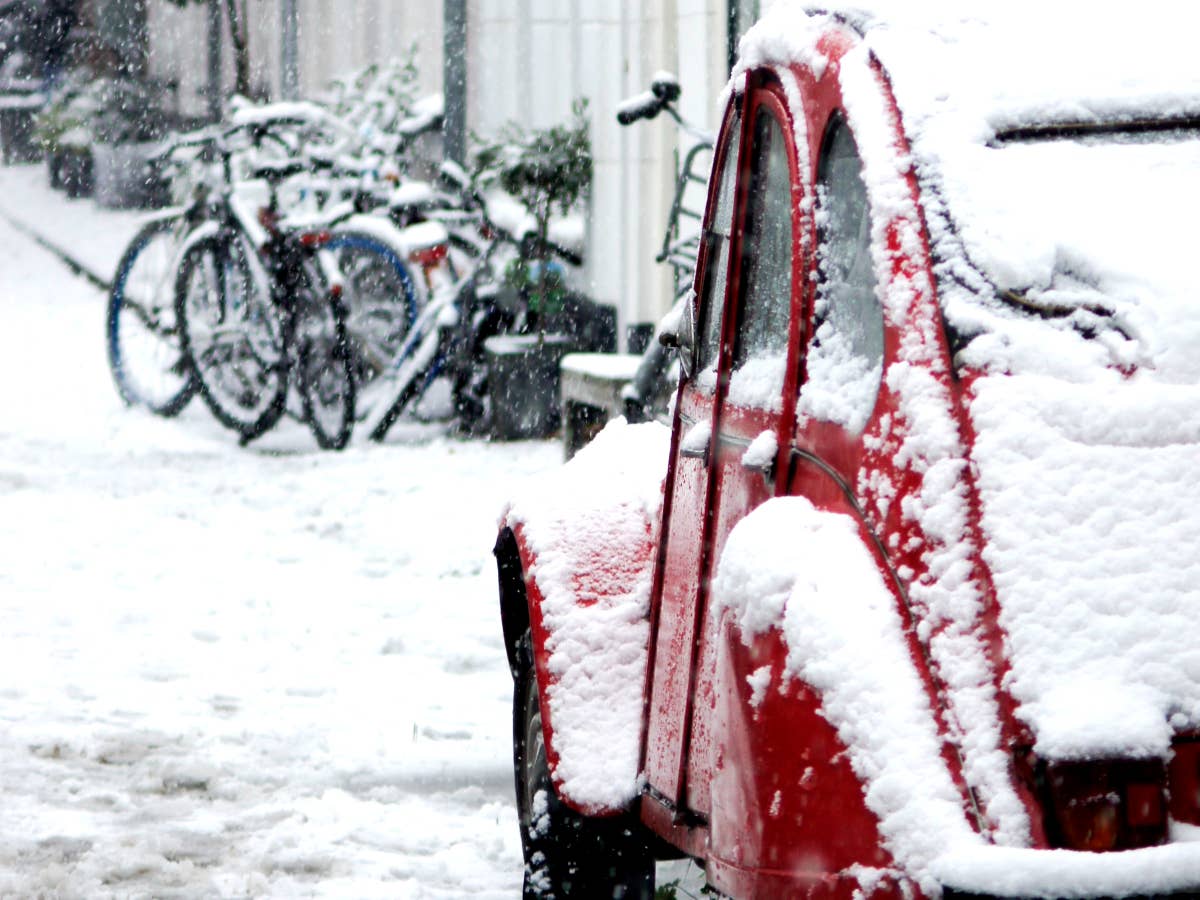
{"x":423,"y":355}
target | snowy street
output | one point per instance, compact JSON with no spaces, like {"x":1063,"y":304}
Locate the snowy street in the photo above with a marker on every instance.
{"x":238,"y":672}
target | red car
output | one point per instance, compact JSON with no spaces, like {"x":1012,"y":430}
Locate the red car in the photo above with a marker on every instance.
{"x":906,"y":601}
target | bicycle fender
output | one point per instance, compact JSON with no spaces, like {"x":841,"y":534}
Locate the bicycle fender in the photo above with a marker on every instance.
{"x":408,"y":240}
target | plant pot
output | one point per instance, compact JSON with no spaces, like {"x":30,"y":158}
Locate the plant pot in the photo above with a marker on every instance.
{"x":74,"y":169}
{"x":123,"y":177}
{"x":54,"y":168}
{"x":523,"y":383}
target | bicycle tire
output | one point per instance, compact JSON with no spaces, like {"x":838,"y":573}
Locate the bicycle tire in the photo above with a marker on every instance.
{"x":406,"y":381}
{"x":381,"y":298}
{"x":324,"y":367}
{"x":236,"y":338}
{"x":145,"y":355}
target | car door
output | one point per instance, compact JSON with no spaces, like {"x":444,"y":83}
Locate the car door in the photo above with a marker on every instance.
{"x":753,"y":416}
{"x":738,"y":397}
{"x":677,"y":580}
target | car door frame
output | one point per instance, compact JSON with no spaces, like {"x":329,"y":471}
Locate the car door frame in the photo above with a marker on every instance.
{"x":667,"y":811}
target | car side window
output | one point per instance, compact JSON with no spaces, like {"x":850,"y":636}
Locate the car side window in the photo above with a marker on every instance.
{"x":718,"y":235}
{"x":844,"y":363}
{"x":765,"y":303}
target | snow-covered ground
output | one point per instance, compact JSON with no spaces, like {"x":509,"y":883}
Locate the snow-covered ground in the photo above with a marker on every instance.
{"x":232,"y":672}
{"x":92,"y":237}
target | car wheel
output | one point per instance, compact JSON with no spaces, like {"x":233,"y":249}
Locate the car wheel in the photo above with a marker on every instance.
{"x":567,"y":854}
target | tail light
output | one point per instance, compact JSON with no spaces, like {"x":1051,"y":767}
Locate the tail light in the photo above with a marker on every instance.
{"x":430,"y":256}
{"x":268,"y":218}
{"x":1185,"y":780}
{"x":315,"y":238}
{"x":1101,"y":805}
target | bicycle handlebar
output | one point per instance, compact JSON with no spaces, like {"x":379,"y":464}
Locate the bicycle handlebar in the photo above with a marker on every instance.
{"x":666,"y":87}
{"x":278,"y":172}
{"x":646,"y":105}
{"x":297,"y":113}
{"x":663,"y":93}
{"x":534,"y":244}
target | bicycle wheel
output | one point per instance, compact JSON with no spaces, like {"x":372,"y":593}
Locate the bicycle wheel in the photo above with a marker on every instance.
{"x":324,"y":367}
{"x":381,"y":299}
{"x":145,"y":354}
{"x":235,"y":336}
{"x":468,"y":362}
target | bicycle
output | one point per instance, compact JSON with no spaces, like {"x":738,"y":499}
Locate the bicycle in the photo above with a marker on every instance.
{"x":463,"y":311}
{"x":145,"y":344}
{"x":386,"y":244}
{"x":259,"y":311}
{"x":146,"y":360}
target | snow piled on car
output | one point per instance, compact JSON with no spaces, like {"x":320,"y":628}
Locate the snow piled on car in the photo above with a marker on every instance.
{"x":1090,"y":501}
{"x":809,"y":573}
{"x":1084,"y":462}
{"x":591,"y":528}
{"x":923,"y":437}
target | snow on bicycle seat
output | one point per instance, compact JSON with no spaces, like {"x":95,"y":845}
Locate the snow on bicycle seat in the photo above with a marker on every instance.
{"x":412,"y":195}
{"x":424,"y":236}
{"x":300,"y":111}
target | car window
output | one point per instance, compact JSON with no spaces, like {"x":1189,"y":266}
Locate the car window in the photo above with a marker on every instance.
{"x":844,"y":363}
{"x":720,"y":229}
{"x":765,"y":303}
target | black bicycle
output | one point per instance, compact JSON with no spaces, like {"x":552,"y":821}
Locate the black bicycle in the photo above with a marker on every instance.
{"x":259,"y":311}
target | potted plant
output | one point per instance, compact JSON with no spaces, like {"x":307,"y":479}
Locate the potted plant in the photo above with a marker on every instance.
{"x":127,"y":123}
{"x":548,"y":171}
{"x":62,"y":130}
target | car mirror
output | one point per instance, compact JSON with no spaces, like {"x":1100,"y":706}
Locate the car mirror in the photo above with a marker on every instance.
{"x":678,"y":331}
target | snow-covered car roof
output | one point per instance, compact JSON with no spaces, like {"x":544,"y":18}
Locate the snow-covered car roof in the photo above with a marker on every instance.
{"x":1058,"y":152}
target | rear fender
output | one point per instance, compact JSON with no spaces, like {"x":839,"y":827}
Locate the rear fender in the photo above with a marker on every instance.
{"x":823,"y":713}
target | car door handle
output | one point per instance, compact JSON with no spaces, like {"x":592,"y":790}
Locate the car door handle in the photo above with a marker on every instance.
{"x":765,"y":469}
{"x":696,"y":441}
{"x":760,"y":456}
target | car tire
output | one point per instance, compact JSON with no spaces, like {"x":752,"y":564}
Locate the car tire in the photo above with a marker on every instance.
{"x":566,"y":853}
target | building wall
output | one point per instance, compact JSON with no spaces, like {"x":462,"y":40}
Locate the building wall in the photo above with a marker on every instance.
{"x":336,"y":36}
{"x":527,"y":61}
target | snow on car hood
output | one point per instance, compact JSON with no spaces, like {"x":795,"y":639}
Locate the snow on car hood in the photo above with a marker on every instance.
{"x":1094,"y":231}
{"x":1091,"y":513}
